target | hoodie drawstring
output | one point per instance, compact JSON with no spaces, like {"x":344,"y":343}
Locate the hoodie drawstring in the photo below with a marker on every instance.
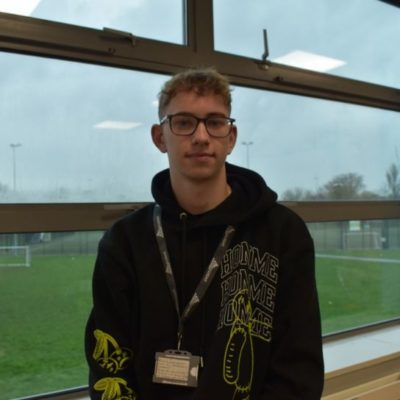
{"x":183,"y":217}
{"x":203,"y":317}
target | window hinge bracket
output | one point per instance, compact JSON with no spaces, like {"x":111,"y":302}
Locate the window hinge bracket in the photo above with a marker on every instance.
{"x":116,"y":34}
{"x":265,"y":63}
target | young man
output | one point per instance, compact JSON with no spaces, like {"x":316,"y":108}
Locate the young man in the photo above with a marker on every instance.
{"x":208,"y":293}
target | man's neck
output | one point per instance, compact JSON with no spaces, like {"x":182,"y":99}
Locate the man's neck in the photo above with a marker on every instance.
{"x":199,"y":197}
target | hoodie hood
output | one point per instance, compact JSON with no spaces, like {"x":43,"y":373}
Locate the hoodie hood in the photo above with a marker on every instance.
{"x":249,"y":198}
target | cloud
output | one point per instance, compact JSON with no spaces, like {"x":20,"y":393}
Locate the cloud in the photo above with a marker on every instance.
{"x":22,"y":7}
{"x":117,"y":125}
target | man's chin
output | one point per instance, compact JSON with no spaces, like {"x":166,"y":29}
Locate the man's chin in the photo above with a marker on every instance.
{"x":202,"y":173}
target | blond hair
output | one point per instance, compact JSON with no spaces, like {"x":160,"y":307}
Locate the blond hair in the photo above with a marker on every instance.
{"x":200,"y":80}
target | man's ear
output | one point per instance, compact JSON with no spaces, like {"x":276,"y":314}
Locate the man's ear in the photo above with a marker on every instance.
{"x":232,"y":139}
{"x":158,"y":138}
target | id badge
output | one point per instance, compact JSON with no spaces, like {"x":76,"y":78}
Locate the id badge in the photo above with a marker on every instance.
{"x":176,"y":367}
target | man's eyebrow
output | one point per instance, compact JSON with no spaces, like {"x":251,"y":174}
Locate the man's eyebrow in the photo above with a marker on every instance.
{"x":183,"y":113}
{"x":211,"y":114}
{"x":216,"y":114}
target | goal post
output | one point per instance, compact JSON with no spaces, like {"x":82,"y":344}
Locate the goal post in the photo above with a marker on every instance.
{"x":362,"y":240}
{"x":15,"y":256}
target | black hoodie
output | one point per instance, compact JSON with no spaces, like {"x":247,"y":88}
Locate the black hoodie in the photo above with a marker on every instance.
{"x":257,"y":327}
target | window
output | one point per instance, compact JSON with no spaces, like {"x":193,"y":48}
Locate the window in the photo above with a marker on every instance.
{"x":44,"y":306}
{"x":81,"y":133}
{"x":357,"y":267}
{"x":75,"y":132}
{"x":310,"y":149}
{"x":153,"y":19}
{"x":319,"y":35}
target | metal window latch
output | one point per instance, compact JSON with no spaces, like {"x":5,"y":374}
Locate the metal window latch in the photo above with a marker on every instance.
{"x":116,"y":34}
{"x":265,"y":63}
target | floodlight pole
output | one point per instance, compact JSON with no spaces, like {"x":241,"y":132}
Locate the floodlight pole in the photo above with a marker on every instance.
{"x":14,"y":146}
{"x":247,"y":144}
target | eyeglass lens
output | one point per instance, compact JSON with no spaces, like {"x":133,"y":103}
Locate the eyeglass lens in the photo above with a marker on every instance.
{"x":187,"y":124}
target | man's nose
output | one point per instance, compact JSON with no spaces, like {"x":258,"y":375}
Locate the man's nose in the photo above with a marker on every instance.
{"x":201,"y":133}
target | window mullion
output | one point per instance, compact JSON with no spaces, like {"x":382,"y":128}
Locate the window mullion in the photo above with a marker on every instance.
{"x":200,"y":26}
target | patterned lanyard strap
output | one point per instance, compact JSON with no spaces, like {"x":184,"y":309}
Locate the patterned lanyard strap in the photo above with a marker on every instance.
{"x":206,"y":279}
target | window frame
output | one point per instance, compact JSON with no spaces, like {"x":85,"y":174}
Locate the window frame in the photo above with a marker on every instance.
{"x":40,"y":217}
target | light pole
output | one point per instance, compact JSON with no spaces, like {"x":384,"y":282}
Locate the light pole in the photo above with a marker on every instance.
{"x":247,"y":144}
{"x":14,"y":146}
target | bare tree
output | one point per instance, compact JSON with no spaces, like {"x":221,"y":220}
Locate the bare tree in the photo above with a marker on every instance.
{"x":348,"y":186}
{"x":393,"y":181}
{"x":344,"y":187}
{"x":296,"y":194}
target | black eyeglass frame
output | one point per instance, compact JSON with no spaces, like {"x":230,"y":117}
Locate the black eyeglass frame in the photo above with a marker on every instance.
{"x":204,"y":120}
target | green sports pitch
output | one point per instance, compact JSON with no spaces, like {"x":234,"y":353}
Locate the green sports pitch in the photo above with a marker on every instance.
{"x":44,"y":309}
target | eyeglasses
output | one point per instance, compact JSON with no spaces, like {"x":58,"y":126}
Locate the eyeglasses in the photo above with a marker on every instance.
{"x":186,"y":124}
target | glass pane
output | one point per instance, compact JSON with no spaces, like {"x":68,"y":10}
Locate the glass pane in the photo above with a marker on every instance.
{"x":353,"y":39}
{"x":45,"y":299}
{"x":311,"y":149}
{"x":154,"y":19}
{"x":75,"y":132}
{"x":358,"y":272}
{"x":81,"y":133}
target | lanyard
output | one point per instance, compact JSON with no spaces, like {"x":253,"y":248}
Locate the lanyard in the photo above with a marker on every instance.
{"x":205,"y":281}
